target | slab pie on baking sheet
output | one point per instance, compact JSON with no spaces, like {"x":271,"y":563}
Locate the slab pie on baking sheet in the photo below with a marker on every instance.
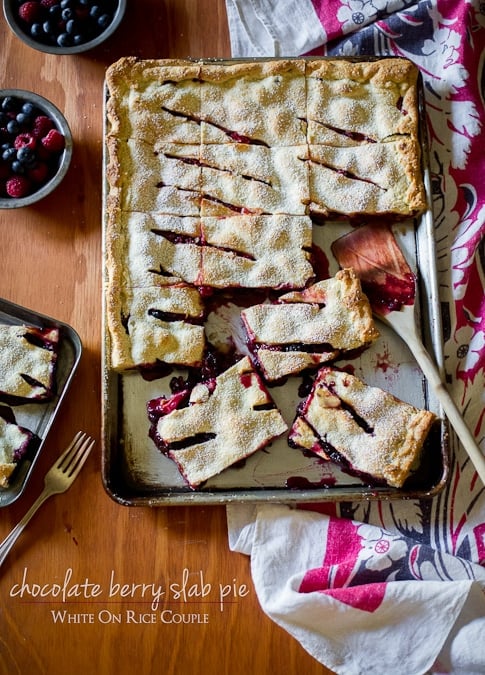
{"x":216,"y":170}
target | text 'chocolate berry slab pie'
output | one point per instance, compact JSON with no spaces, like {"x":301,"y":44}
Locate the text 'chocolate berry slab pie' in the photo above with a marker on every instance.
{"x":306,"y":328}
{"x":28,"y":358}
{"x":15,"y":441}
{"x":365,"y":429}
{"x":207,"y":428}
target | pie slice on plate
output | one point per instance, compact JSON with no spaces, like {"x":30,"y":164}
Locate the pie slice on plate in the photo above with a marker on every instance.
{"x":28,"y":360}
{"x":15,"y":441}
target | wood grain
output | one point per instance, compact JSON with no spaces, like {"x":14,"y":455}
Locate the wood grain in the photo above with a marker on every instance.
{"x":50,"y":261}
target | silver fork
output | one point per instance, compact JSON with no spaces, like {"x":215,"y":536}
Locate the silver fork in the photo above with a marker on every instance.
{"x":58,"y":479}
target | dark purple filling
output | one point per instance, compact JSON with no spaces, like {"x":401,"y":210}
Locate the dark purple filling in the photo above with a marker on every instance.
{"x":391,"y":295}
{"x":354,"y":135}
{"x":233,"y":135}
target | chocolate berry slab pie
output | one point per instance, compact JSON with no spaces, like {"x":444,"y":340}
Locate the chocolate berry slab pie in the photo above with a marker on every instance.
{"x":28,"y":358}
{"x":306,"y":328}
{"x":207,"y":428}
{"x":368,"y":431}
{"x":226,"y":184}
{"x":15,"y":442}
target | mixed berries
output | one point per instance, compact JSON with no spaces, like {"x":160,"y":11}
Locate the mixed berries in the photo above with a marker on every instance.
{"x":30,"y":147}
{"x":65,"y":23}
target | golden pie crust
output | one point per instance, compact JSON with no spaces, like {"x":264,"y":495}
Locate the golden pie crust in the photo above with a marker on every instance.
{"x":28,"y":358}
{"x":376,"y":434}
{"x":225,"y":420}
{"x":333,"y":317}
{"x":215,"y":171}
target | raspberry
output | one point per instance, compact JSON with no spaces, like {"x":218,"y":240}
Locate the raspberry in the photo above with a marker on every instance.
{"x":54,"y":141}
{"x":42,"y":125}
{"x":30,"y":12}
{"x":18,"y":186}
{"x":24,"y":141}
{"x":39,"y":173}
{"x":48,"y":3}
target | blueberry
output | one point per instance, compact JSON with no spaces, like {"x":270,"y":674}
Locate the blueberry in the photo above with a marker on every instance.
{"x":28,"y":108}
{"x":18,"y":167}
{"x":72,"y":26}
{"x":26,"y":156}
{"x":9,"y":154}
{"x":68,"y":14}
{"x":95,"y":11}
{"x":13,"y":127}
{"x":55,"y":11}
{"x":104,"y":21}
{"x":36,"y":30}
{"x":23,"y":119}
{"x":64,"y":40}
{"x":9,"y":103}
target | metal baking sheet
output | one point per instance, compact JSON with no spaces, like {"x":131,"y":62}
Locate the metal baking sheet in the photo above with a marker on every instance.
{"x":39,"y":417}
{"x":135,"y":473}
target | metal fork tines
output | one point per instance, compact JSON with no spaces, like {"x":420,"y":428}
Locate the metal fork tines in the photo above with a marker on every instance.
{"x":58,"y":479}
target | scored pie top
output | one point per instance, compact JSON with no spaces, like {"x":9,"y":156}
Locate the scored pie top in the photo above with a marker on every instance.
{"x":28,"y":358}
{"x":220,"y":422}
{"x":208,"y":163}
{"x":305,"y":328}
{"x":370,"y":430}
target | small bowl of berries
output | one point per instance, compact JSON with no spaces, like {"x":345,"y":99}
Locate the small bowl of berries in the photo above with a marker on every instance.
{"x":35,"y":148}
{"x":64,"y":26}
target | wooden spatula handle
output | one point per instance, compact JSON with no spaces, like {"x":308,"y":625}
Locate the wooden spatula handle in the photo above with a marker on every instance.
{"x":454,"y":416}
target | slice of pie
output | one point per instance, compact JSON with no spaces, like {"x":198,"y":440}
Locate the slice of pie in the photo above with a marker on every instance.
{"x":368,"y":431}
{"x":28,"y":361}
{"x":207,"y":428}
{"x":150,"y":326}
{"x":15,"y":441}
{"x":306,"y":328}
{"x":353,"y":103}
{"x":258,"y":103}
{"x":369,"y":179}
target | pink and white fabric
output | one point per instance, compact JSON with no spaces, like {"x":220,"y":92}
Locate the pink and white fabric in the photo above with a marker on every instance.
{"x":379,"y":587}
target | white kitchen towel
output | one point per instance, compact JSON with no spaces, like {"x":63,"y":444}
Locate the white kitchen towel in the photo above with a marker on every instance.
{"x":361,"y":599}
{"x":380,"y":587}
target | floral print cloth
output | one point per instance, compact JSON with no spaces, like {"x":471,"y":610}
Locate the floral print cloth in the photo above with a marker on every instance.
{"x":386,"y":570}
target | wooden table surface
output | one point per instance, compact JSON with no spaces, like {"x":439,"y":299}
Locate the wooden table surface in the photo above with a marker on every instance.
{"x":82,"y":541}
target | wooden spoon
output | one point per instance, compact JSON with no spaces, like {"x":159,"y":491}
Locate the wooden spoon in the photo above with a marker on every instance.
{"x":390,"y":285}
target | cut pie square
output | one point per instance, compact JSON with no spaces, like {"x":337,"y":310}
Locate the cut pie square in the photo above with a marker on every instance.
{"x":361,"y":102}
{"x":366,"y":430}
{"x":154,"y":177}
{"x":154,"y":99}
{"x":207,"y":428}
{"x":368,"y":179}
{"x":28,"y":363}
{"x":149,"y":326}
{"x":254,"y":179}
{"x":306,"y":328}
{"x":259,"y":103}
{"x":15,"y":442}
{"x":267,"y":251}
